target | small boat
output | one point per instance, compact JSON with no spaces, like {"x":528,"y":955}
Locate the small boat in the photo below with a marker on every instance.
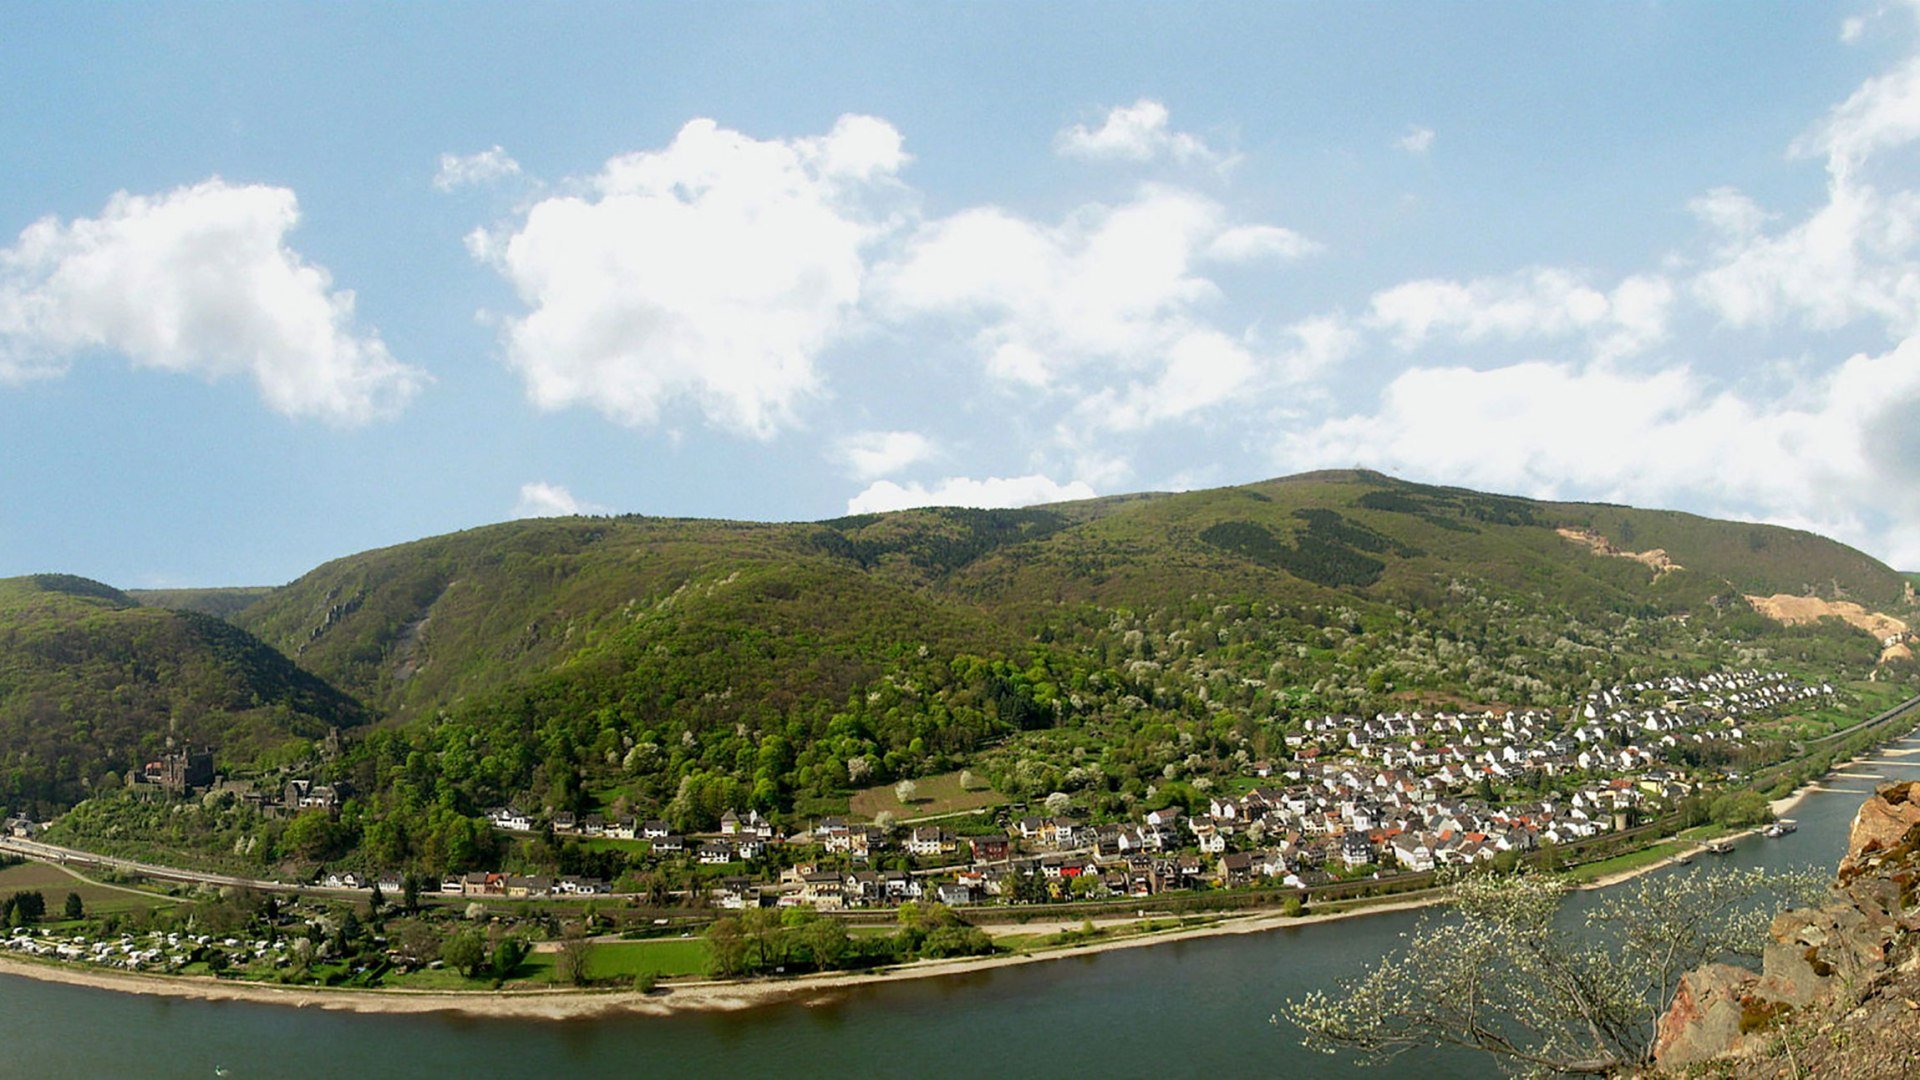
{"x":1685,"y":860}
{"x":1720,"y":847}
{"x":1781,"y":828}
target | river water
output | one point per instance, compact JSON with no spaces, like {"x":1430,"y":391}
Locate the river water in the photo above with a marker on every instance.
{"x":1195,"y":1008}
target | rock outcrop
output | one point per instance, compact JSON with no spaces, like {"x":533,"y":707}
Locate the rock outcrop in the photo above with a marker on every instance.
{"x":1704,"y":1019}
{"x":1838,"y":993}
{"x":1881,"y":825}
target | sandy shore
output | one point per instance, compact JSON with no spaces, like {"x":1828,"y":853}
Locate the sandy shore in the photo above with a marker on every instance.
{"x":1781,"y":807}
{"x":731,"y":995}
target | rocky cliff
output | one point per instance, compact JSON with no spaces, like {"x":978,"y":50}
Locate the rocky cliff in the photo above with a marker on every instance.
{"x":1838,"y":993}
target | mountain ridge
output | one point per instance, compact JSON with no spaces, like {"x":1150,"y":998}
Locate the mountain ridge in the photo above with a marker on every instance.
{"x":1337,"y":535}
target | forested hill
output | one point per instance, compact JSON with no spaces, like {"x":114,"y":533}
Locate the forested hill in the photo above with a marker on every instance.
{"x":424,"y":624}
{"x":92,"y":683}
{"x":577,"y":662}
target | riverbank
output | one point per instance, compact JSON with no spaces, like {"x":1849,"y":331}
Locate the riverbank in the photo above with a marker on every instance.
{"x":1780,"y":808}
{"x":705,"y":995}
{"x":1784,"y":805}
{"x":693,"y":996}
{"x":734,"y":995}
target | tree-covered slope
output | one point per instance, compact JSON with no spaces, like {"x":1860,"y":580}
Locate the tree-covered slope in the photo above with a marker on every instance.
{"x":1756,"y":559}
{"x":422,"y":625}
{"x":92,"y":683}
{"x":1369,"y":537}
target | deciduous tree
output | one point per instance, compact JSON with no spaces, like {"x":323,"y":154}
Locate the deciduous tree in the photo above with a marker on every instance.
{"x":1503,"y":972}
{"x":465,"y":952}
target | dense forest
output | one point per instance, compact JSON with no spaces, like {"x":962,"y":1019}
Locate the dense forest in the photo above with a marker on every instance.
{"x":92,"y":684}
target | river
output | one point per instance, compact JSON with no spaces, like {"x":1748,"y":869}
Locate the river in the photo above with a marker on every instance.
{"x":1195,"y":1008}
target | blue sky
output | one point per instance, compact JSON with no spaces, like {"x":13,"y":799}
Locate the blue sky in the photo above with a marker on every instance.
{"x":281,"y":283}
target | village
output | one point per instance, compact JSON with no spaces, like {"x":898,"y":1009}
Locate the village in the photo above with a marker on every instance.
{"x":1360,"y":798}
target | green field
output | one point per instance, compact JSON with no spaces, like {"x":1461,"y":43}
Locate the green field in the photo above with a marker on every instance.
{"x":613,"y":963}
{"x":1632,"y":860}
{"x":446,"y":979}
{"x":55,"y":883}
{"x":664,"y":957}
{"x":940,"y":794}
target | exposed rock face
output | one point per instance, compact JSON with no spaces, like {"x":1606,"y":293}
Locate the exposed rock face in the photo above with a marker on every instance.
{"x":1881,"y":824}
{"x":1704,"y":1019}
{"x":1841,"y":982}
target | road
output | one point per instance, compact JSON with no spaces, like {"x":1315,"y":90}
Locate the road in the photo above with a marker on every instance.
{"x":33,"y":849}
{"x":1883,"y":717}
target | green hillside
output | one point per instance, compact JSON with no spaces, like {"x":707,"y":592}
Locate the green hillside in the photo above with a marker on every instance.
{"x":422,"y":626}
{"x":1370,"y":538}
{"x":682,"y":667}
{"x":1757,"y":559}
{"x":92,"y":683}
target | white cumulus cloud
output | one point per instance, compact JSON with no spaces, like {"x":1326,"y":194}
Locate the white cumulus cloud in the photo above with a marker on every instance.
{"x":1856,"y":255}
{"x":541,"y":499}
{"x":1884,"y":112}
{"x":1417,"y":140}
{"x":198,"y":280}
{"x":1203,"y":369}
{"x":1206,"y":370}
{"x":711,"y":273}
{"x":1540,"y":303}
{"x":1109,"y":283}
{"x":994,"y":492}
{"x":467,"y":170}
{"x":1247,"y":243}
{"x":1315,"y":346}
{"x":1139,"y":132}
{"x":1111,"y":295}
{"x":870,"y":455}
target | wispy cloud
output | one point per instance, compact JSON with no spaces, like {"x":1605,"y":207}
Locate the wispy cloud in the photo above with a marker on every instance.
{"x":870,"y":455}
{"x":541,"y":499}
{"x":1140,"y":132}
{"x":469,"y":170}
{"x":1417,"y":141}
